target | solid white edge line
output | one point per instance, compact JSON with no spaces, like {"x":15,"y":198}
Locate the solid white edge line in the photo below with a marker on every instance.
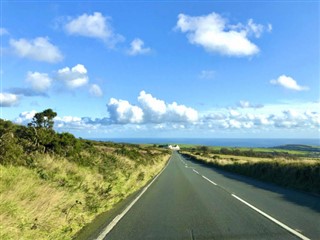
{"x":209,"y":180}
{"x":114,"y":222}
{"x":195,"y":171}
{"x":272,"y":219}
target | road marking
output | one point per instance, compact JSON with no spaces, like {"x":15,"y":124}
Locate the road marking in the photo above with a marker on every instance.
{"x":209,"y":180}
{"x":114,"y":222}
{"x":195,"y":171}
{"x":272,"y":219}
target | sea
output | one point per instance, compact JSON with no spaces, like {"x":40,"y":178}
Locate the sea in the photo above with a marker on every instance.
{"x":221,"y":142}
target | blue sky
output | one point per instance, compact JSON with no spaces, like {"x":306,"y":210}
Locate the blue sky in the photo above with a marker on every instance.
{"x":164,"y":69}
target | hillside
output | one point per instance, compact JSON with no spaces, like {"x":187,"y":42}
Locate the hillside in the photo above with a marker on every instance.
{"x":52,"y":184}
{"x":299,"y":147}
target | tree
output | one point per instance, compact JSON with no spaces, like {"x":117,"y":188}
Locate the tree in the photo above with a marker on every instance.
{"x":43,"y":119}
{"x":42,"y":124}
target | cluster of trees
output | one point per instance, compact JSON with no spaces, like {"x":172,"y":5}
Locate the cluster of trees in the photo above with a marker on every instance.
{"x":17,"y":142}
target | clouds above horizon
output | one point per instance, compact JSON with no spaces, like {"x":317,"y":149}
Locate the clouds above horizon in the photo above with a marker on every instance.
{"x":150,"y":110}
{"x":300,"y":117}
{"x":247,"y":104}
{"x":213,"y":32}
{"x":288,"y":83}
{"x":38,"y":49}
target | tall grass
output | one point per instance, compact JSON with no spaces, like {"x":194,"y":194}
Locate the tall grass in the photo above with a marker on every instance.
{"x":53,"y":197}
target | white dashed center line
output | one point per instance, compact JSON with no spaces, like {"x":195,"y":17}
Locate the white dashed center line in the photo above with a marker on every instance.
{"x":195,"y":171}
{"x":209,"y":180}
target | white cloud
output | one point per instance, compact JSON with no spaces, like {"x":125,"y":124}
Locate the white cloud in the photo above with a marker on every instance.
{"x":157,"y":111}
{"x":25,"y":117}
{"x":214,"y":34}
{"x":255,"y":29}
{"x":137,"y":47}
{"x":123,"y":112}
{"x":40,"y":82}
{"x":247,"y":104}
{"x":95,"y":90}
{"x":64,"y":123}
{"x":150,"y":111}
{"x":67,"y":123}
{"x":39,"y":49}
{"x":234,"y":113}
{"x":8,"y":99}
{"x":154,"y":109}
{"x":288,"y":82}
{"x":125,"y":118}
{"x":270,"y":117}
{"x":74,"y":77}
{"x":181,"y":113}
{"x":3,"y":31}
{"x":94,"y":26}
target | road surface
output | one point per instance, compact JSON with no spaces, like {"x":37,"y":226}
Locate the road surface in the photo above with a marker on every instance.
{"x":192,"y":201}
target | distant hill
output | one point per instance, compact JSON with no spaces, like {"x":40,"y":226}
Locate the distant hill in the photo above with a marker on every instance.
{"x":299,"y":147}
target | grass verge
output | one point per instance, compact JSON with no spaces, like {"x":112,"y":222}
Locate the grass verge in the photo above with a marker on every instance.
{"x":53,"y":197}
{"x":298,"y":173}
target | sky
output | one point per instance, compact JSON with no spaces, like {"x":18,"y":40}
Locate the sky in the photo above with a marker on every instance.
{"x":189,"y":69}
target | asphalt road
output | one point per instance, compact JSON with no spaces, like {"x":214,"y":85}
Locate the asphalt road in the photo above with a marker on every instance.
{"x":192,"y":201}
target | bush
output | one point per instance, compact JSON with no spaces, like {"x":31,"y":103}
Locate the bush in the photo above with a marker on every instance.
{"x":10,"y":151}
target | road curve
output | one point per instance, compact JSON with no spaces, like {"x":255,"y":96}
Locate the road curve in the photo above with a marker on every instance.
{"x":191,"y":201}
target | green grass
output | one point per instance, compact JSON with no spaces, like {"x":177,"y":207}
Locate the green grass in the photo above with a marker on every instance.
{"x":54,"y":197}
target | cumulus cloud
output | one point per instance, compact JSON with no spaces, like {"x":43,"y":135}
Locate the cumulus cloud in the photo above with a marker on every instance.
{"x":288,"y":82}
{"x":8,"y":99}
{"x":123,"y":112}
{"x":214,"y":34}
{"x":154,"y":109}
{"x":94,"y":26}
{"x":158,"y":111}
{"x":95,"y":90}
{"x":39,"y":49}
{"x":181,"y":113}
{"x":137,"y":48}
{"x":74,"y":77}
{"x":150,"y":110}
{"x":40,"y":82}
